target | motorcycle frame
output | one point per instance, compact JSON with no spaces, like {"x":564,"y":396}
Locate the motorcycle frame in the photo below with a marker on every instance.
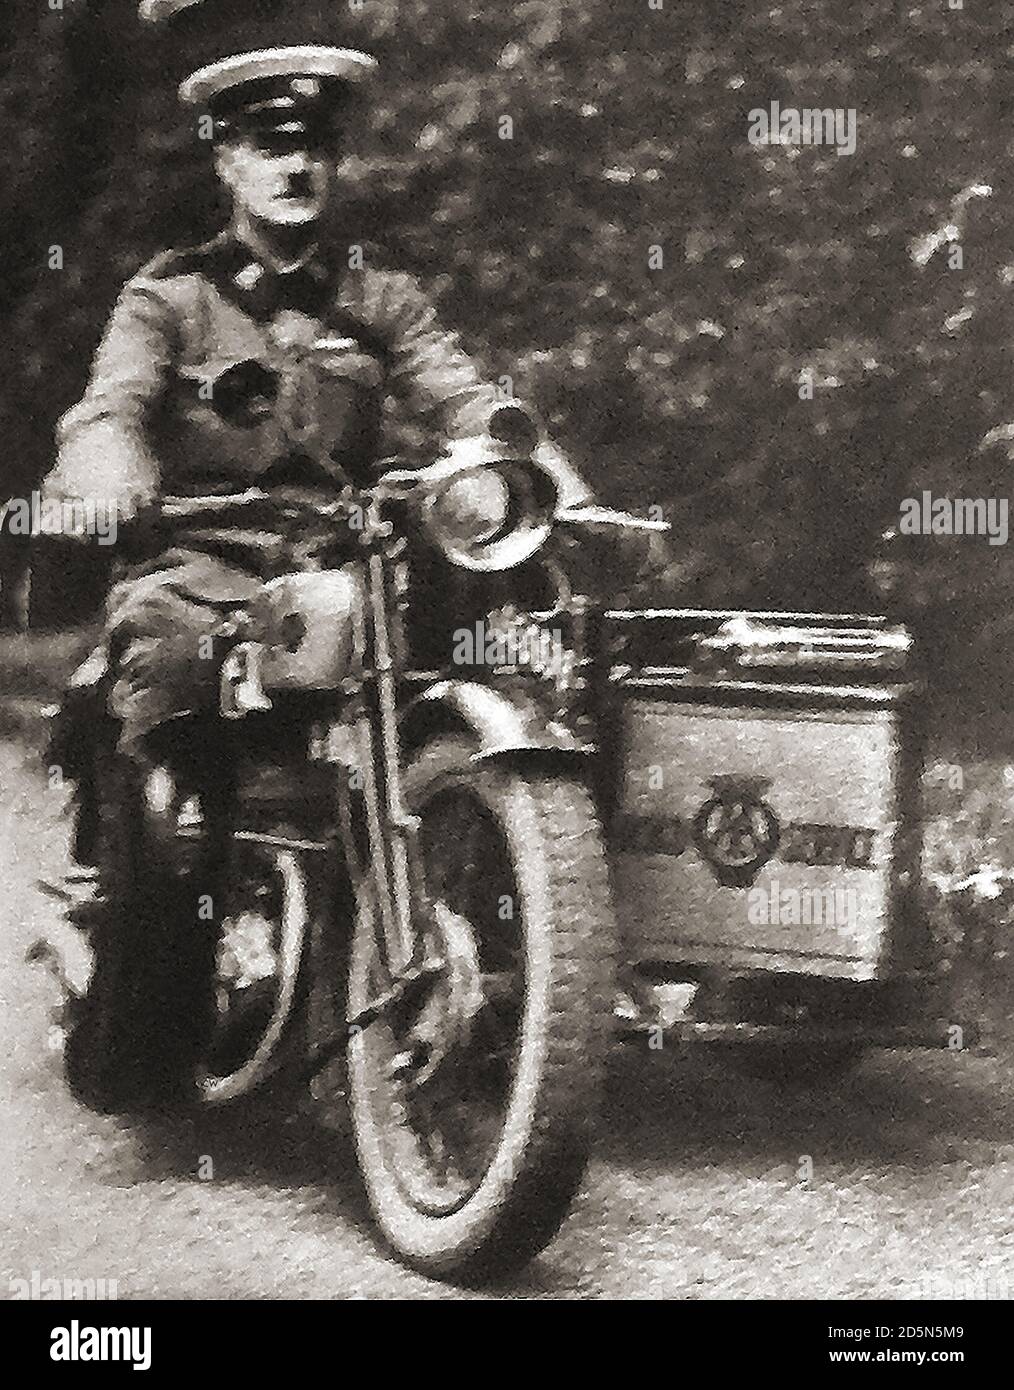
{"x":394,"y":876}
{"x":387,"y":718}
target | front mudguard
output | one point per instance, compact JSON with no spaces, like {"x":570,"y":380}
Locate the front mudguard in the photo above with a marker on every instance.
{"x":505,"y":726}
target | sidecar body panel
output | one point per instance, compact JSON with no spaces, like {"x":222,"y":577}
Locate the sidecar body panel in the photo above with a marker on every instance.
{"x":764,"y":817}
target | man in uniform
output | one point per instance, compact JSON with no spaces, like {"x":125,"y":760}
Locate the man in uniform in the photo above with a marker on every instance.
{"x":198,"y":385}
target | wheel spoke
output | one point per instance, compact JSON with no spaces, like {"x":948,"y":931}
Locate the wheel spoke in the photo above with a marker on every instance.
{"x":453,"y":1096}
{"x":248,"y":962}
{"x":472,"y":1151}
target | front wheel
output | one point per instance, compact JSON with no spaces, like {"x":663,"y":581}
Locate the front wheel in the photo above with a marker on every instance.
{"x":473,"y":1110}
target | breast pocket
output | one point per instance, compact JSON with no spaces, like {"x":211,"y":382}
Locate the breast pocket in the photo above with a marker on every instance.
{"x":221,"y":417}
{"x":243,"y":394}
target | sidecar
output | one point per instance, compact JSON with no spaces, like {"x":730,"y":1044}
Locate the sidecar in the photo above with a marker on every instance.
{"x":760,"y":787}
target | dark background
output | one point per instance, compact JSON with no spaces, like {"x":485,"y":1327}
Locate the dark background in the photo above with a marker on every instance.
{"x":676,"y":386}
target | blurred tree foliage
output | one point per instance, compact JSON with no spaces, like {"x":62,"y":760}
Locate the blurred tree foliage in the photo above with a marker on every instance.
{"x":660,"y":285}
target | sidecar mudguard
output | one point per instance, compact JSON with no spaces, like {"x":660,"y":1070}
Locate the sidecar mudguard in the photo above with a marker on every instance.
{"x":505,"y":726}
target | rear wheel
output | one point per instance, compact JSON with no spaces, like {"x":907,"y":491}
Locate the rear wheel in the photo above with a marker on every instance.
{"x":198,"y":977}
{"x":473,"y":1108}
{"x":259,"y":973}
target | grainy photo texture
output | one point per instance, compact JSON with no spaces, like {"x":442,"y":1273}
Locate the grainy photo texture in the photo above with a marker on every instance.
{"x":505,"y":753}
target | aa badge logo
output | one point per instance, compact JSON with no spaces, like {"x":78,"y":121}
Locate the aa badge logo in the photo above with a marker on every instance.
{"x":736,"y":830}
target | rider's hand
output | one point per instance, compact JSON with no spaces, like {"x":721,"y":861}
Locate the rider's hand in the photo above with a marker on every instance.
{"x":117,"y":506}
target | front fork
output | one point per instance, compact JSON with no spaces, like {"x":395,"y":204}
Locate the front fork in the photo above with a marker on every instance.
{"x":395,"y":873}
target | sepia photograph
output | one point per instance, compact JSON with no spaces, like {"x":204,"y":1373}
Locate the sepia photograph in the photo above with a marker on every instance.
{"x":506,"y":760}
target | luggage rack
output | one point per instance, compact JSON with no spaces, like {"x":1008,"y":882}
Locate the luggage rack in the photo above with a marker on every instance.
{"x":798,"y":651}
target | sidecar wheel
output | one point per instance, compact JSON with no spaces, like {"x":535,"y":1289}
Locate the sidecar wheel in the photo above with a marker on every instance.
{"x":471,"y":1171}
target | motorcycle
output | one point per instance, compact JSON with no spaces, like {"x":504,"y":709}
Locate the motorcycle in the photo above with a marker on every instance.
{"x":498,"y":827}
{"x":361,"y":850}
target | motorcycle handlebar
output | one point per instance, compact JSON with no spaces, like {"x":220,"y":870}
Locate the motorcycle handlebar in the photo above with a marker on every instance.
{"x":605,"y":517}
{"x":392,"y":484}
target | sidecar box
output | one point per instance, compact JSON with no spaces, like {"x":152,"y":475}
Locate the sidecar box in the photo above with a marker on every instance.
{"x":764,"y":791}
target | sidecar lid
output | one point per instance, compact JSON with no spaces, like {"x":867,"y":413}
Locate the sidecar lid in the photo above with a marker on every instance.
{"x":702,"y":644}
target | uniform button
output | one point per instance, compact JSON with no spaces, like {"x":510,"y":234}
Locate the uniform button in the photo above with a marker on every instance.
{"x":249,"y":276}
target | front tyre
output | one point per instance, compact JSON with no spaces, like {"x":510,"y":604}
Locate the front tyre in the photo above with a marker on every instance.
{"x":471,"y":1152}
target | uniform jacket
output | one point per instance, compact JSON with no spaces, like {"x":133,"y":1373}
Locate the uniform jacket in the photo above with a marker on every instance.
{"x":200,"y":381}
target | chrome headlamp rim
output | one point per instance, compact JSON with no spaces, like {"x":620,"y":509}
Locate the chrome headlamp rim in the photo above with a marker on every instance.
{"x":531,"y":497}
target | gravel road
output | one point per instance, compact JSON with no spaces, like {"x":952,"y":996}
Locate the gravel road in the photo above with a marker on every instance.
{"x":698,"y":1188}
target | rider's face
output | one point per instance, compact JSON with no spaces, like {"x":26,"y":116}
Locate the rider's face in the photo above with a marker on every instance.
{"x":283,"y":180}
